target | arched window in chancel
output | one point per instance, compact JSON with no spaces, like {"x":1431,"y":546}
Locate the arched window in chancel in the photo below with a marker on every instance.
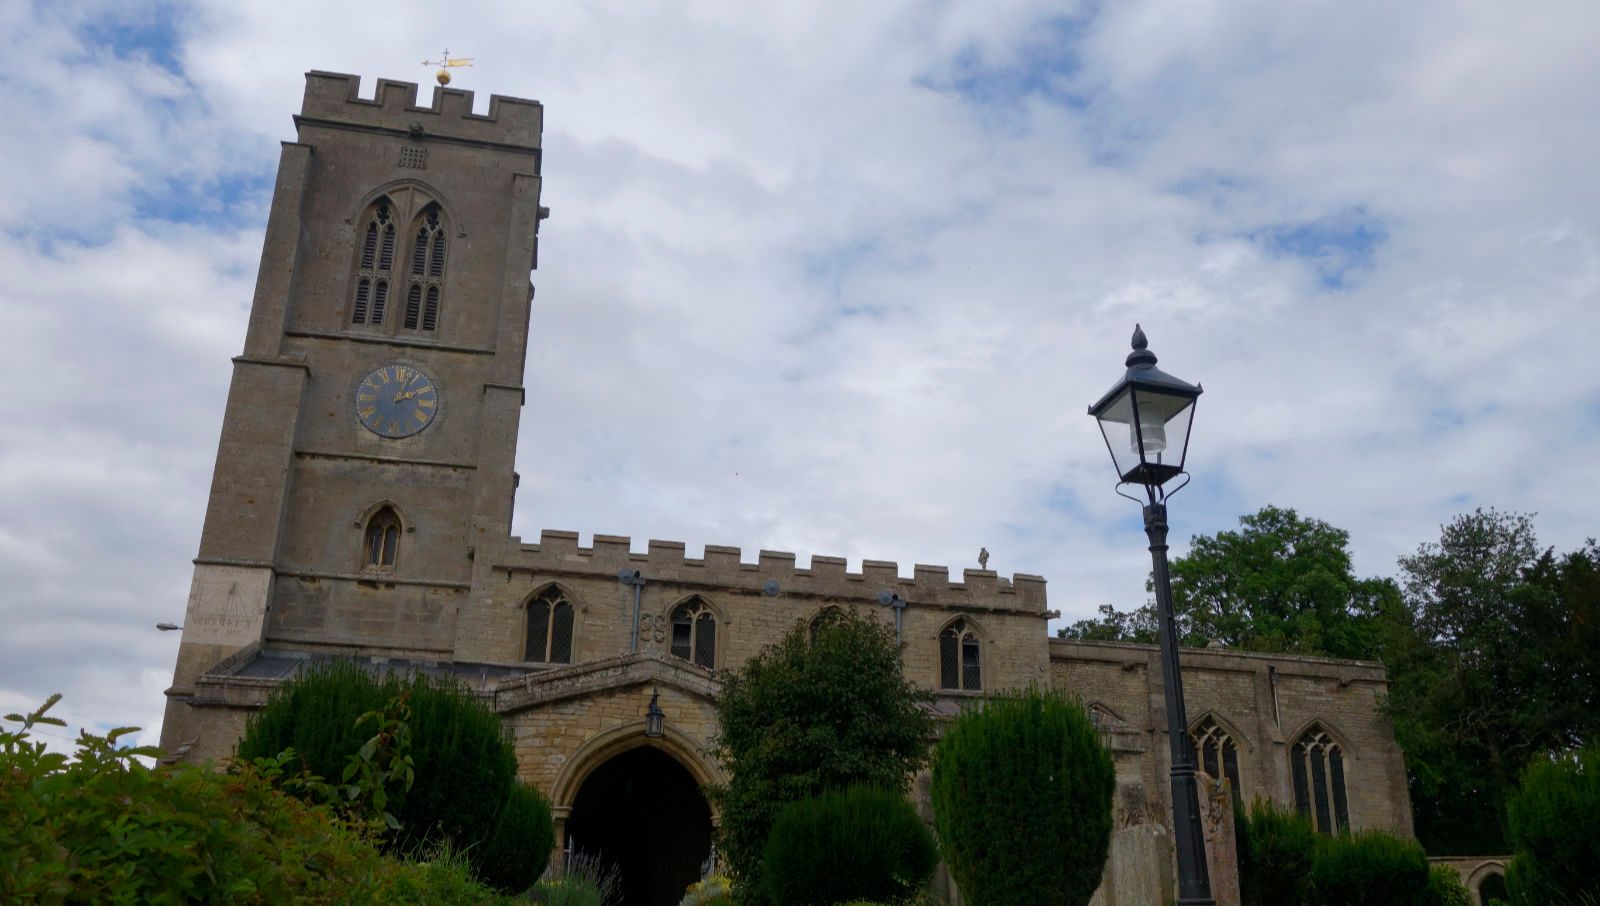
{"x":694,"y":633}
{"x":1217,"y":754}
{"x":960,"y":658}
{"x":381,"y":545}
{"x":1316,"y":766}
{"x":374,"y":265}
{"x":425,"y":282}
{"x":825,"y":617}
{"x":549,"y":634}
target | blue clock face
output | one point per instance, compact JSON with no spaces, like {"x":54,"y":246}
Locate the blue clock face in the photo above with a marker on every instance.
{"x":396,"y":401}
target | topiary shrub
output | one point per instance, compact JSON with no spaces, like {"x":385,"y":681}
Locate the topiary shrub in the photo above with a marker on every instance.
{"x":464,"y":764}
{"x":514,"y":855}
{"x":1276,"y":850}
{"x":1369,"y":869}
{"x":1022,"y":792}
{"x":1554,"y":823}
{"x":860,"y":843}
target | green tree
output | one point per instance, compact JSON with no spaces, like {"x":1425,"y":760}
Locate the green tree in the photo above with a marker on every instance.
{"x":462,"y":762}
{"x":1022,"y":791}
{"x":1488,"y":670}
{"x":813,"y":712}
{"x":1276,"y":850}
{"x":1283,"y":582}
{"x":1555,"y":829}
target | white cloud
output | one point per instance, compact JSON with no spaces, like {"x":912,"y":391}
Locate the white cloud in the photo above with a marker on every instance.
{"x":838,"y":278}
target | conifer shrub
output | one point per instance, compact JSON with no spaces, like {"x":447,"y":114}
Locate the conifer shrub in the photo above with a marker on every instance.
{"x":1369,"y":868}
{"x":1022,"y":791}
{"x":1276,"y":850}
{"x":859,"y":843}
{"x":1554,"y":824}
{"x":464,"y":763}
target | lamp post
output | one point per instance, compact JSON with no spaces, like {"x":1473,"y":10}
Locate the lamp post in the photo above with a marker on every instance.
{"x":1145,"y":419}
{"x":654,"y":719}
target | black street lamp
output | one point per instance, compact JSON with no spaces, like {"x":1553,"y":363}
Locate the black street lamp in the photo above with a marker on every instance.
{"x":1145,"y":421}
{"x":654,"y":719}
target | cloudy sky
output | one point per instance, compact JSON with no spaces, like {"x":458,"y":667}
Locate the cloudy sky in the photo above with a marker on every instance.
{"x":836,"y":277}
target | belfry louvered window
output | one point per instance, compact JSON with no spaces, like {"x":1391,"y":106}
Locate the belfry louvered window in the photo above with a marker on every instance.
{"x":1217,"y":754}
{"x":960,"y":658}
{"x":1316,"y":765}
{"x":381,"y":546}
{"x":375,"y":266}
{"x":694,"y":633}
{"x":550,"y":617}
{"x":426,"y":279}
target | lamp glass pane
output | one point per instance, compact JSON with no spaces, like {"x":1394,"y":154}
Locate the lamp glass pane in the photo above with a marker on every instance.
{"x":1164,"y":419}
{"x":1115,"y":421}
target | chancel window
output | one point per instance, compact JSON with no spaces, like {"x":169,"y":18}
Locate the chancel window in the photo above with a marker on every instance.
{"x":382,"y":544}
{"x":426,"y":280}
{"x":1316,"y":764}
{"x":960,"y":658}
{"x":374,"y":266}
{"x":1217,"y":754}
{"x":550,"y":617}
{"x":824,"y":618}
{"x":694,"y":633}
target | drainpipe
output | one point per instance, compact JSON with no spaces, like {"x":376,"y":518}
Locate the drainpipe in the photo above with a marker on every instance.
{"x":632,"y":577}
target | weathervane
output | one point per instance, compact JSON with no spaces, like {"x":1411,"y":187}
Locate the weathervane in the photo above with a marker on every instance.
{"x":445,"y":64}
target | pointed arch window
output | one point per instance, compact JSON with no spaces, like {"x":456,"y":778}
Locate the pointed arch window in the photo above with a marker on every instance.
{"x":694,"y":633}
{"x":825,"y":617}
{"x":550,"y":619}
{"x":1217,"y":753}
{"x":960,"y":658}
{"x":1316,"y":764}
{"x":381,"y":544}
{"x":374,"y":265}
{"x":426,"y":278}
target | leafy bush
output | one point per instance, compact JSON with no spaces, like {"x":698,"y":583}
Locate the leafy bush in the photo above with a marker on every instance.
{"x":811,"y":713}
{"x":1276,"y":851}
{"x":1445,"y":888}
{"x":1022,"y":794}
{"x":1369,"y":869}
{"x":513,"y":856}
{"x":716,"y":890}
{"x":844,"y":845}
{"x":464,"y":766}
{"x":103,"y":827}
{"x":585,"y":880}
{"x":1554,"y":822}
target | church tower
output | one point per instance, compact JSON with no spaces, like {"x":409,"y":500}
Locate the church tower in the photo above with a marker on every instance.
{"x":370,"y":435}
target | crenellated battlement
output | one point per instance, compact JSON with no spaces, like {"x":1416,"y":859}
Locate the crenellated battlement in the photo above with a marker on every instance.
{"x":558,"y":552}
{"x":334,"y":98}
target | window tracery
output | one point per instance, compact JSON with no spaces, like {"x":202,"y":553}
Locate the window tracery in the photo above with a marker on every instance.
{"x":427,"y":272}
{"x":1217,"y":753}
{"x":375,"y":266}
{"x":694,"y":633}
{"x":549,"y":633}
{"x":960,"y":658}
{"x":1316,"y":763}
{"x":381,"y":544}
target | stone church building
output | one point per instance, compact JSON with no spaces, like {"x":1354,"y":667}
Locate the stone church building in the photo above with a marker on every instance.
{"x":362,"y":500}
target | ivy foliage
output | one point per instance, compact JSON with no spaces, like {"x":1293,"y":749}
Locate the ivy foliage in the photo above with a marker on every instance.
{"x":826,"y":707}
{"x":461,"y":763}
{"x":847,"y":845}
{"x":1022,"y":791}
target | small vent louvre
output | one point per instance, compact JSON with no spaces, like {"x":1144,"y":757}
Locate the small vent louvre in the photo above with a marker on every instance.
{"x":430,"y":312}
{"x":380,"y":296}
{"x":363,"y":292}
{"x":413,"y":306}
{"x":414,"y":158}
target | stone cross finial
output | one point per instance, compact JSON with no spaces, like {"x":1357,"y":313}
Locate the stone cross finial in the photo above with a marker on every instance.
{"x":983,"y":558}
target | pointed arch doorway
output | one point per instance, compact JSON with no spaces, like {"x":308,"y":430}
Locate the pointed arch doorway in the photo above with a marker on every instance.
{"x":642,"y":811}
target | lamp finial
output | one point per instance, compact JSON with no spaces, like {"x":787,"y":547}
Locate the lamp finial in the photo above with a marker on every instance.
{"x":1141,"y":356}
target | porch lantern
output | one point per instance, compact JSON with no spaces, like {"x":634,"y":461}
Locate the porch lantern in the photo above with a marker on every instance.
{"x":654,"y":720}
{"x":1145,"y":420}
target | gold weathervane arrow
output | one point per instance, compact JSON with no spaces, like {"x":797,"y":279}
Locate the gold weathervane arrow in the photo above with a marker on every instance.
{"x":445,"y":64}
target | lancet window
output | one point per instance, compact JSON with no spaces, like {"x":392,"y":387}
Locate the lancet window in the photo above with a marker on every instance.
{"x":1316,"y":764}
{"x":426,"y":280}
{"x":960,"y":658}
{"x":694,"y":633}
{"x":550,"y":619}
{"x":1217,"y":753}
{"x":374,"y":265}
{"x":381,"y":546}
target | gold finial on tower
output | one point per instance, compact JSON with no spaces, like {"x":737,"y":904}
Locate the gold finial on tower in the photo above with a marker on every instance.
{"x":445,"y":64}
